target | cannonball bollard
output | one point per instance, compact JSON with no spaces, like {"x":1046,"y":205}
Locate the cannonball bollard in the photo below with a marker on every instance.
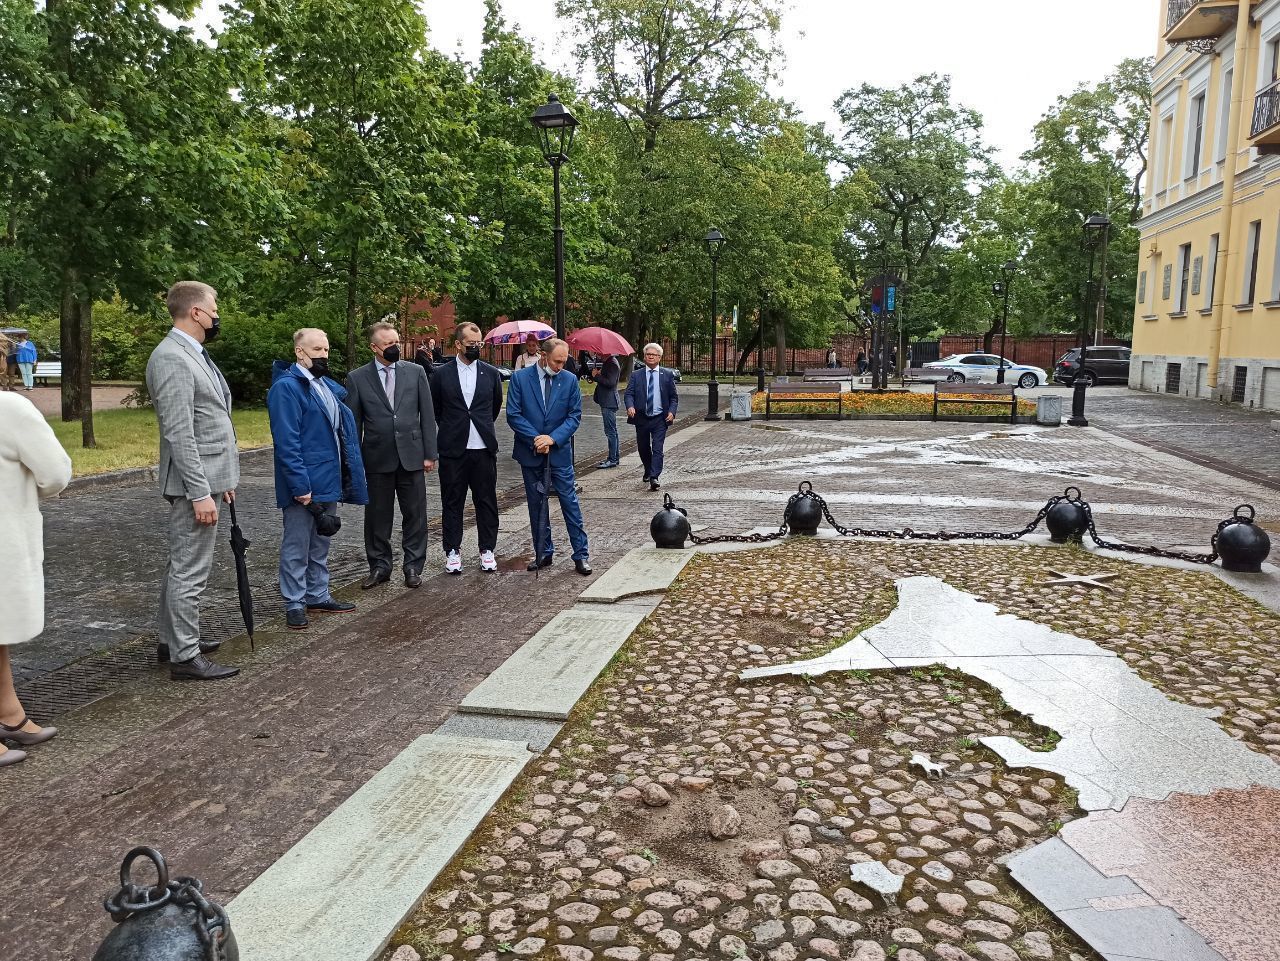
{"x":1242,"y":544}
{"x":1067,"y":518}
{"x":804,"y":512}
{"x":670,"y":526}
{"x":168,"y":921}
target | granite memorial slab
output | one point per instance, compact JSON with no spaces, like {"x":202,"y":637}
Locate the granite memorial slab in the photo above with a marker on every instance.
{"x":341,"y":892}
{"x":548,"y":675}
{"x":645,"y":570}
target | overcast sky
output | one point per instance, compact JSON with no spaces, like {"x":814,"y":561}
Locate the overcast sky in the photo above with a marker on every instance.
{"x":1009,"y":59}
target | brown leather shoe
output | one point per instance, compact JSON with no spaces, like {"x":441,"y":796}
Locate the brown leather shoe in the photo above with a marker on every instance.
{"x":200,"y":668}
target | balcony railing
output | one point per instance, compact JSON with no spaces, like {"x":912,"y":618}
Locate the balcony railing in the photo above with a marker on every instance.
{"x":1266,"y":113}
{"x":1177,"y":10}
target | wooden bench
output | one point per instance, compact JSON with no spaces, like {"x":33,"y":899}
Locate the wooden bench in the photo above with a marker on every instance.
{"x":805,"y":394}
{"x":1004,"y":395}
{"x":828,"y":373}
{"x":928,"y":375}
{"x":47,"y":370}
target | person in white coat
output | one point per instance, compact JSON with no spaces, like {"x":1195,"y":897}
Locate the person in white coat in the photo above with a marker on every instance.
{"x":33,"y":466}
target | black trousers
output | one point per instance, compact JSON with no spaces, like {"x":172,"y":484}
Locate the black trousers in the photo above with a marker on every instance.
{"x":477,"y":470}
{"x":409,"y":487}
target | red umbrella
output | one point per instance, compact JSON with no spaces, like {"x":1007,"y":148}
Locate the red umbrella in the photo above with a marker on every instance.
{"x":599,"y":340}
{"x":515,"y":331}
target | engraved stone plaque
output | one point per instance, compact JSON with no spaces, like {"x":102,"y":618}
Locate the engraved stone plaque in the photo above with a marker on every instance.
{"x":645,"y":570}
{"x":341,"y":892}
{"x":554,"y":668}
{"x":1167,"y":283}
{"x":1142,"y":287}
{"x":1197,"y":269}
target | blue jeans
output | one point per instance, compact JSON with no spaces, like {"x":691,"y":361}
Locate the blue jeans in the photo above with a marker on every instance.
{"x":610,"y":417}
{"x":304,"y":559}
{"x":26,"y":369}
{"x":562,"y":480}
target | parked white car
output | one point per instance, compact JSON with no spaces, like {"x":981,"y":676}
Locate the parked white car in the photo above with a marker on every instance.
{"x":982,"y":369}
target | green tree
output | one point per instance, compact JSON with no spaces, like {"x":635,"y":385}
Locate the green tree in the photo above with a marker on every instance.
{"x":370,"y":129}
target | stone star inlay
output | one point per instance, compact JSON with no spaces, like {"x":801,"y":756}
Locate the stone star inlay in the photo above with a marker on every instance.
{"x":1085,"y":580}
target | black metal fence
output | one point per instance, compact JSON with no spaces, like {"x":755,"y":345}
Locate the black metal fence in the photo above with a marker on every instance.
{"x":1266,"y":109}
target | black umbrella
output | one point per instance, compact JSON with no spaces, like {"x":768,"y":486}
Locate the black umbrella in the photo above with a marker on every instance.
{"x":544,"y":513}
{"x":238,"y":545}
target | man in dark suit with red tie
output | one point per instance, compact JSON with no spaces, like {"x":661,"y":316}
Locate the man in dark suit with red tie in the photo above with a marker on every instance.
{"x":467,"y":394}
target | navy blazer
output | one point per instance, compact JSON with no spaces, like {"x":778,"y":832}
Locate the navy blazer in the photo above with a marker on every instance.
{"x":454,"y":418}
{"x":606,"y":379}
{"x":666,"y":390}
{"x":528,"y":418}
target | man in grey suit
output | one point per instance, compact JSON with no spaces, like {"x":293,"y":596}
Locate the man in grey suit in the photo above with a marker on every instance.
{"x":199,"y":465}
{"x":397,"y":423}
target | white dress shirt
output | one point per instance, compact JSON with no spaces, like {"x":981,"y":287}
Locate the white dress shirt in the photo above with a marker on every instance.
{"x":467,"y":381}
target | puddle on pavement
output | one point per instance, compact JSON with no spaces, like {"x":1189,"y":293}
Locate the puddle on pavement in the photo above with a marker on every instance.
{"x":510,"y":565}
{"x":769,"y":427}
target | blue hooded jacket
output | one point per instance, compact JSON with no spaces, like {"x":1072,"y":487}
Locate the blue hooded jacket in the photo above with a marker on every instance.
{"x":306,"y":453}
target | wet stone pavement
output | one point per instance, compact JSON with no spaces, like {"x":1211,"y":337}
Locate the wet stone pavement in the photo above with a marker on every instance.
{"x":226,"y":778}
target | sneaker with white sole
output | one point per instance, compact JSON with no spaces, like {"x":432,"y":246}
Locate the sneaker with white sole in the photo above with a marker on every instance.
{"x":453,"y":563}
{"x":487,"y":561}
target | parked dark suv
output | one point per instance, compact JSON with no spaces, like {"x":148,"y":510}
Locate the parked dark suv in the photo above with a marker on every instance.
{"x":1103,"y":365}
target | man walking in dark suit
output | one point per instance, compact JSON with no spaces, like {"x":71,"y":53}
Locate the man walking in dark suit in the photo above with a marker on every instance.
{"x":468,"y":397}
{"x":544,"y":409}
{"x":391,"y":400}
{"x":606,"y":397}
{"x":199,"y":468}
{"x":652,"y":401}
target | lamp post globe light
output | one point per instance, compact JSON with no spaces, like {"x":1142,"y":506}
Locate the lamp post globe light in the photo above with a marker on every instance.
{"x":555,"y":126}
{"x":1001,"y":289}
{"x":715,"y":242}
{"x":1097,"y":231}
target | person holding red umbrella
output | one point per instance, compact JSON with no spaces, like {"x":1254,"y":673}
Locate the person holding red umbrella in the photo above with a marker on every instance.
{"x":606,"y":398}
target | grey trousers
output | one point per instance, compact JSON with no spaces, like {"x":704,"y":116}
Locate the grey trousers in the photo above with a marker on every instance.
{"x":409,"y":487}
{"x":191,"y":547}
{"x":304,"y":559}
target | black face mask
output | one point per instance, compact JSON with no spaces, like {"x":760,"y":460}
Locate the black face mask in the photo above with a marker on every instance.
{"x":211,"y":332}
{"x":319,"y":366}
{"x":391,"y":354}
{"x":471,"y":352}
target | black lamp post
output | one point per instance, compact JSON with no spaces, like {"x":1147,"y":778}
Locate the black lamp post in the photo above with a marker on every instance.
{"x":1001,"y":289}
{"x":764,"y":297}
{"x":555,"y":126}
{"x":715,"y":243}
{"x":1097,"y":231}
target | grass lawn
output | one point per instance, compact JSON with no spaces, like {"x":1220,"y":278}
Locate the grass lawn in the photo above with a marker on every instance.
{"x":130,"y":438}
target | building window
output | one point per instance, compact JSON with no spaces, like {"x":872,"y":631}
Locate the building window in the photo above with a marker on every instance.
{"x":1275,"y":267}
{"x":1251,"y":263}
{"x":1238,"y":385}
{"x":1166,"y":140}
{"x":1213,"y":272}
{"x":1184,"y":277}
{"x":1273,"y":59}
{"x":1224,"y":115}
{"x":1195,"y":134}
{"x":1172,"y":378}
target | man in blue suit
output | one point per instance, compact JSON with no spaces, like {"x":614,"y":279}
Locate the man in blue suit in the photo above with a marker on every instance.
{"x":652,"y":402}
{"x":318,"y":463}
{"x":544,"y":409}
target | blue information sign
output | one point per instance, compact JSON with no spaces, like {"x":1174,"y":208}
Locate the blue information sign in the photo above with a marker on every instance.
{"x":890,"y":299}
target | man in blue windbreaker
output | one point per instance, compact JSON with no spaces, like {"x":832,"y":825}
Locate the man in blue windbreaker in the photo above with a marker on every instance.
{"x":318,"y":465}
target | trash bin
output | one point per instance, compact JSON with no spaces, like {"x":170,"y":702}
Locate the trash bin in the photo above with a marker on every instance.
{"x":740,"y":405}
{"x":1049,"y":410}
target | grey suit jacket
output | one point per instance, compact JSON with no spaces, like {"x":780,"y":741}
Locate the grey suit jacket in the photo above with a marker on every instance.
{"x":198,"y":455}
{"x":389,"y":438}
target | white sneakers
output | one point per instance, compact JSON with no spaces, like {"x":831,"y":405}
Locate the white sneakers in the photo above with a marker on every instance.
{"x":453,"y":562}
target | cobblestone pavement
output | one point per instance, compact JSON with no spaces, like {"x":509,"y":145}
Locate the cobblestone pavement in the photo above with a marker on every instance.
{"x":225,"y":778}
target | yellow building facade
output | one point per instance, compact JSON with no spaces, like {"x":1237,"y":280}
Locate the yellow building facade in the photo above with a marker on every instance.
{"x":1207,"y":317}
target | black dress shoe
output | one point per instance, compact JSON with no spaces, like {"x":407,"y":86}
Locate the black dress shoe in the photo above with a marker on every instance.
{"x":374,"y":579}
{"x":606,"y":464}
{"x":200,"y":668}
{"x":332,"y":607}
{"x":582,"y":567}
{"x":206,"y":647}
{"x":412,"y":579}
{"x":645,"y":479}
{"x":544,"y":562}
{"x":654,"y":485}
{"x":295,"y":620}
